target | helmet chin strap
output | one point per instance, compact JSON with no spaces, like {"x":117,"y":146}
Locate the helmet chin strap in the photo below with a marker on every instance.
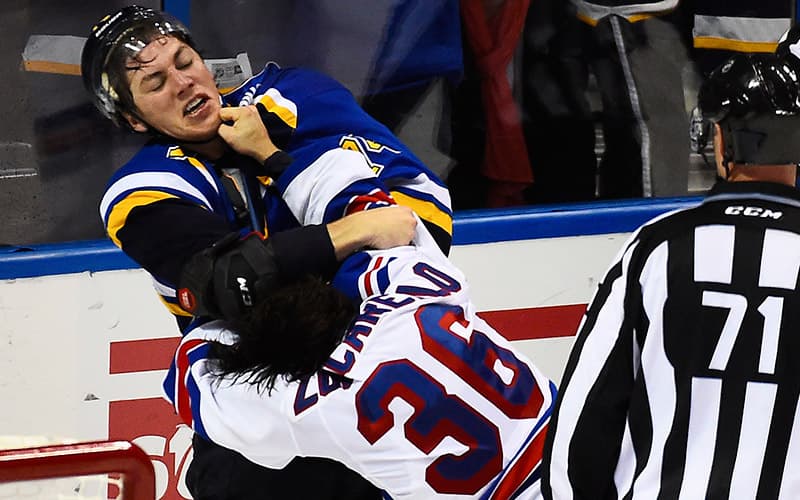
{"x":726,"y":164}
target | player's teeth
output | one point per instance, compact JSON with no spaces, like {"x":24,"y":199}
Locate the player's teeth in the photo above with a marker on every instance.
{"x":191,"y":107}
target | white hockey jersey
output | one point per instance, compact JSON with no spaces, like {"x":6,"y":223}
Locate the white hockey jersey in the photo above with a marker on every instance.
{"x":423,"y":398}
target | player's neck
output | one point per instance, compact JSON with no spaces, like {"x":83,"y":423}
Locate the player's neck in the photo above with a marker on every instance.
{"x":780,"y":174}
{"x":213,"y":149}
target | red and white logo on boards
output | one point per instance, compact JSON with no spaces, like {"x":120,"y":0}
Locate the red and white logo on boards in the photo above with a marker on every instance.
{"x":151,"y":422}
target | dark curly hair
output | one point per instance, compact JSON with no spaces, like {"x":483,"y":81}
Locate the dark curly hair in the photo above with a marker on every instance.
{"x":289,"y":334}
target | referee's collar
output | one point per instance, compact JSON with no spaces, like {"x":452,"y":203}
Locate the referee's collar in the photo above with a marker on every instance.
{"x":754,"y":189}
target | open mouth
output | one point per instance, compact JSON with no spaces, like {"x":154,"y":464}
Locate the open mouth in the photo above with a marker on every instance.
{"x":194,"y":105}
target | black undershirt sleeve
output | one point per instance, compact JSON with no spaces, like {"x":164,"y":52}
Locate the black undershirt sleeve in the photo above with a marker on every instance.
{"x":161,"y":237}
{"x":304,"y":250}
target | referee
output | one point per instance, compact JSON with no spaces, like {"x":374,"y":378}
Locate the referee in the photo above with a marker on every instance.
{"x":683,"y":382}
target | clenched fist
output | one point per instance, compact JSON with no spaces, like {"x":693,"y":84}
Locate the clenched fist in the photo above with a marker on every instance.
{"x":245,"y":133}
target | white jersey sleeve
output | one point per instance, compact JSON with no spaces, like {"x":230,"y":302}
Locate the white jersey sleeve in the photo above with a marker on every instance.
{"x":220,"y":409}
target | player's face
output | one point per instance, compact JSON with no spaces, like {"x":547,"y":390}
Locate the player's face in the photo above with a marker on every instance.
{"x":174,"y":92}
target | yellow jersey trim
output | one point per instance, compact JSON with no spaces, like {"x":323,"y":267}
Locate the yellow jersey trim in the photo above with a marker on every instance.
{"x":283,"y":113}
{"x":119,"y":214}
{"x":173,"y":308}
{"x":426,"y":210}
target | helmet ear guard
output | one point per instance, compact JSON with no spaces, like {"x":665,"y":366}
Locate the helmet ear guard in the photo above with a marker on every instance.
{"x":755,"y":98}
{"x":763,"y":140}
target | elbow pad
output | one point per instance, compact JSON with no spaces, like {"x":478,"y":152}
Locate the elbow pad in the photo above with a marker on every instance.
{"x":225,"y":280}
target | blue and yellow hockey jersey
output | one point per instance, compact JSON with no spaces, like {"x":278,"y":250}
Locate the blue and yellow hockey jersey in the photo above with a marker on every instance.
{"x":308,"y":115}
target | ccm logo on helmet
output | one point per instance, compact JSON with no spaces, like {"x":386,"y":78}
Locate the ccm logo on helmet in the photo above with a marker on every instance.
{"x":763,"y":213}
{"x":245,"y":291}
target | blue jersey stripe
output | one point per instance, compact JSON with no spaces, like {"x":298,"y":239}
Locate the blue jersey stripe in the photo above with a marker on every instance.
{"x":194,"y":397}
{"x":383,"y":276}
{"x":346,"y":279}
{"x":169,"y":382}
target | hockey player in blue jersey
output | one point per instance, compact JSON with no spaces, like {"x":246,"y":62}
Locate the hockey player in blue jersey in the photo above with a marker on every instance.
{"x":188,"y":193}
{"x":188,"y":165}
{"x":392,"y":372}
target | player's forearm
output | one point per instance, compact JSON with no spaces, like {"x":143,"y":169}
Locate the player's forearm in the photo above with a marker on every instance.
{"x":163,"y":236}
{"x":317,"y":249}
{"x":377,"y":228}
{"x":346,"y":238}
{"x":305,"y":250}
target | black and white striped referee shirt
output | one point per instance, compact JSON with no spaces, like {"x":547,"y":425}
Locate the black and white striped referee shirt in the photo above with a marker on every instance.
{"x":684,"y":378}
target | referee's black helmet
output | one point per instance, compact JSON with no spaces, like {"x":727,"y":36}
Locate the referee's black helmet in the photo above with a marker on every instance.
{"x":113,"y":41}
{"x":755,"y":98}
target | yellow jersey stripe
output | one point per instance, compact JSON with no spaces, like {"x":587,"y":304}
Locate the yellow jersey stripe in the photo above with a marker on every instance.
{"x":426,"y":210}
{"x":119,"y":214}
{"x":285,"y":109}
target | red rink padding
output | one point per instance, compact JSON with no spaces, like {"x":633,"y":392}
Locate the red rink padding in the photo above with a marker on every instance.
{"x":142,"y":355}
{"x":536,"y":322}
{"x":515,"y":324}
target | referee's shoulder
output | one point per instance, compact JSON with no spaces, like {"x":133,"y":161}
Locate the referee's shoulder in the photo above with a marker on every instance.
{"x":673,"y":221}
{"x":669,"y":226}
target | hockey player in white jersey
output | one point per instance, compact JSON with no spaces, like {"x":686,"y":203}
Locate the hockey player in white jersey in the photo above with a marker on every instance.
{"x":389,"y":371}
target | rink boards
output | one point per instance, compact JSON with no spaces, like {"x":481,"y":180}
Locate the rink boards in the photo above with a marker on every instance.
{"x":84,"y":340}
